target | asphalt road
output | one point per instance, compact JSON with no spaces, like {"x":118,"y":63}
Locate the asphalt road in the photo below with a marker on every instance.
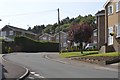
{"x":52,"y":69}
{"x":0,"y":69}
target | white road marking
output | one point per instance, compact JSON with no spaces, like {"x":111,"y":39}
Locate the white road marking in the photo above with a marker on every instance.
{"x":104,"y":68}
{"x":32,"y":72}
{"x":37,"y":75}
{"x":116,"y":64}
{"x":31,"y":77}
{"x":41,"y":77}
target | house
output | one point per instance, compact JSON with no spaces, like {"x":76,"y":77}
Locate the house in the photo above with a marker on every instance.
{"x":100,"y":31}
{"x":94,"y":36}
{"x":112,"y":26}
{"x":63,"y":39}
{"x":9,"y":32}
{"x":56,"y":38}
{"x":46,"y":37}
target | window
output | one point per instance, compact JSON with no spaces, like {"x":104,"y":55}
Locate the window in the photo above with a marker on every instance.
{"x":118,"y":6}
{"x":110,"y":38}
{"x":44,"y":38}
{"x":64,"y":44}
{"x":3,"y":33}
{"x":64,"y":36}
{"x":95,"y":34}
{"x":49,"y":38}
{"x":117,"y":31}
{"x":110,"y":9}
{"x":94,"y":41}
{"x":57,"y":38}
{"x":10,"y":32}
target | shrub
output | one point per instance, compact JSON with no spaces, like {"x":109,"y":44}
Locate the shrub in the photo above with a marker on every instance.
{"x":7,"y":47}
{"x":29,"y":45}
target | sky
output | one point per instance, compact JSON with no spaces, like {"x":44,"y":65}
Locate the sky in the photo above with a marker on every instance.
{"x":28,"y":13}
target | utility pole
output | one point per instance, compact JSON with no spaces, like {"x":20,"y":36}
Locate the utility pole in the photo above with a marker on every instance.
{"x":59,"y":30}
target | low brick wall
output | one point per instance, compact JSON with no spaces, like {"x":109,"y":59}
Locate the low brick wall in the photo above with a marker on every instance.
{"x":98,"y":60}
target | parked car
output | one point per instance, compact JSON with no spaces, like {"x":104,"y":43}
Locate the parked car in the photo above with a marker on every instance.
{"x":91,"y":46}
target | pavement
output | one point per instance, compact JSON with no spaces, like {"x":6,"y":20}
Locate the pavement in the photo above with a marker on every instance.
{"x":11,"y":70}
{"x":56,"y":57}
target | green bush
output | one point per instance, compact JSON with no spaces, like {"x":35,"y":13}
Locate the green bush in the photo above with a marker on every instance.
{"x":29,"y":45}
{"x":7,"y":47}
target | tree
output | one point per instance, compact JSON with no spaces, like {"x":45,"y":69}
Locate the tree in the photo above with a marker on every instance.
{"x":80,"y":33}
{"x":37,"y":29}
{"x":29,"y":29}
{"x":48,"y":29}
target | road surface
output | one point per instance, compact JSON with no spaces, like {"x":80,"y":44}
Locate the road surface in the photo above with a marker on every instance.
{"x":0,"y":70}
{"x":52,"y":69}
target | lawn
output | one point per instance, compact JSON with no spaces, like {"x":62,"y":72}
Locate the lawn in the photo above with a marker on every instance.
{"x":73,"y":54}
{"x":88,"y":53}
{"x":106,"y":54}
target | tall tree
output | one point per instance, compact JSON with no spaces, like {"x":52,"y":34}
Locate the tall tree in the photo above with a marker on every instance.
{"x":80,"y":33}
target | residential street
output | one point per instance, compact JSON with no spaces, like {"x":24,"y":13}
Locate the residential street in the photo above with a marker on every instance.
{"x":53,"y":69}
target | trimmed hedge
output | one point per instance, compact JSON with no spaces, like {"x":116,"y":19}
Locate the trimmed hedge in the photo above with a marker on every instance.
{"x":29,"y":45}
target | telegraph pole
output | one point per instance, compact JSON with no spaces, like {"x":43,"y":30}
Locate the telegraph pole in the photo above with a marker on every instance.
{"x":59,"y":30}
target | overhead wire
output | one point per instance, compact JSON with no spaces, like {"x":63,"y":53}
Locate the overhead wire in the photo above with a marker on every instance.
{"x":30,"y":13}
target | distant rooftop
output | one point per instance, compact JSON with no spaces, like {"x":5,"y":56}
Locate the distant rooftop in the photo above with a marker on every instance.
{"x":19,"y":29}
{"x":102,"y":12}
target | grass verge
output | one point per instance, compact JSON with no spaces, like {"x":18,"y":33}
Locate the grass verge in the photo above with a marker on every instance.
{"x":88,"y":53}
{"x":74,"y":54}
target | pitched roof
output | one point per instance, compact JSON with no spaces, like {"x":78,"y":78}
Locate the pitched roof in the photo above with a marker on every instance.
{"x":19,"y":29}
{"x":102,"y":12}
{"x":106,"y":3}
{"x":60,"y":33}
{"x":45,"y":34}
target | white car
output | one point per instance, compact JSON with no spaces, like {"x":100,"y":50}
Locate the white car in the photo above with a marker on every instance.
{"x":91,"y":46}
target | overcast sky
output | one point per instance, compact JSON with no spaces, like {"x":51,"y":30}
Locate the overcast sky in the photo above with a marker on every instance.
{"x":21,"y":13}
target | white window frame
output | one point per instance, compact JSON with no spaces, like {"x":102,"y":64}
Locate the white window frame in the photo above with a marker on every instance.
{"x":117,"y":31}
{"x":44,"y":38}
{"x":3,"y":33}
{"x":118,"y":6}
{"x":57,"y":38}
{"x":109,"y":12}
{"x":10,"y":32}
{"x":95,"y":33}
{"x":64,"y":44}
{"x":49,"y":38}
{"x":110,"y":38}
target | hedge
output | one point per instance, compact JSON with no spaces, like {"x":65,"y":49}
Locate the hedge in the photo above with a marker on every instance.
{"x":7,"y":47}
{"x":29,"y":45}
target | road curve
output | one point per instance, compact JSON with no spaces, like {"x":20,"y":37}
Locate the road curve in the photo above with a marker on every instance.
{"x":52,"y":69}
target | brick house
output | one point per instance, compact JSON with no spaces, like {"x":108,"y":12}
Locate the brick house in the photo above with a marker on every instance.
{"x":55,"y":38}
{"x":112,"y":26}
{"x":63,"y":39}
{"x":46,"y":37}
{"x":100,"y":20}
{"x":9,"y":32}
{"x":94,"y":36}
